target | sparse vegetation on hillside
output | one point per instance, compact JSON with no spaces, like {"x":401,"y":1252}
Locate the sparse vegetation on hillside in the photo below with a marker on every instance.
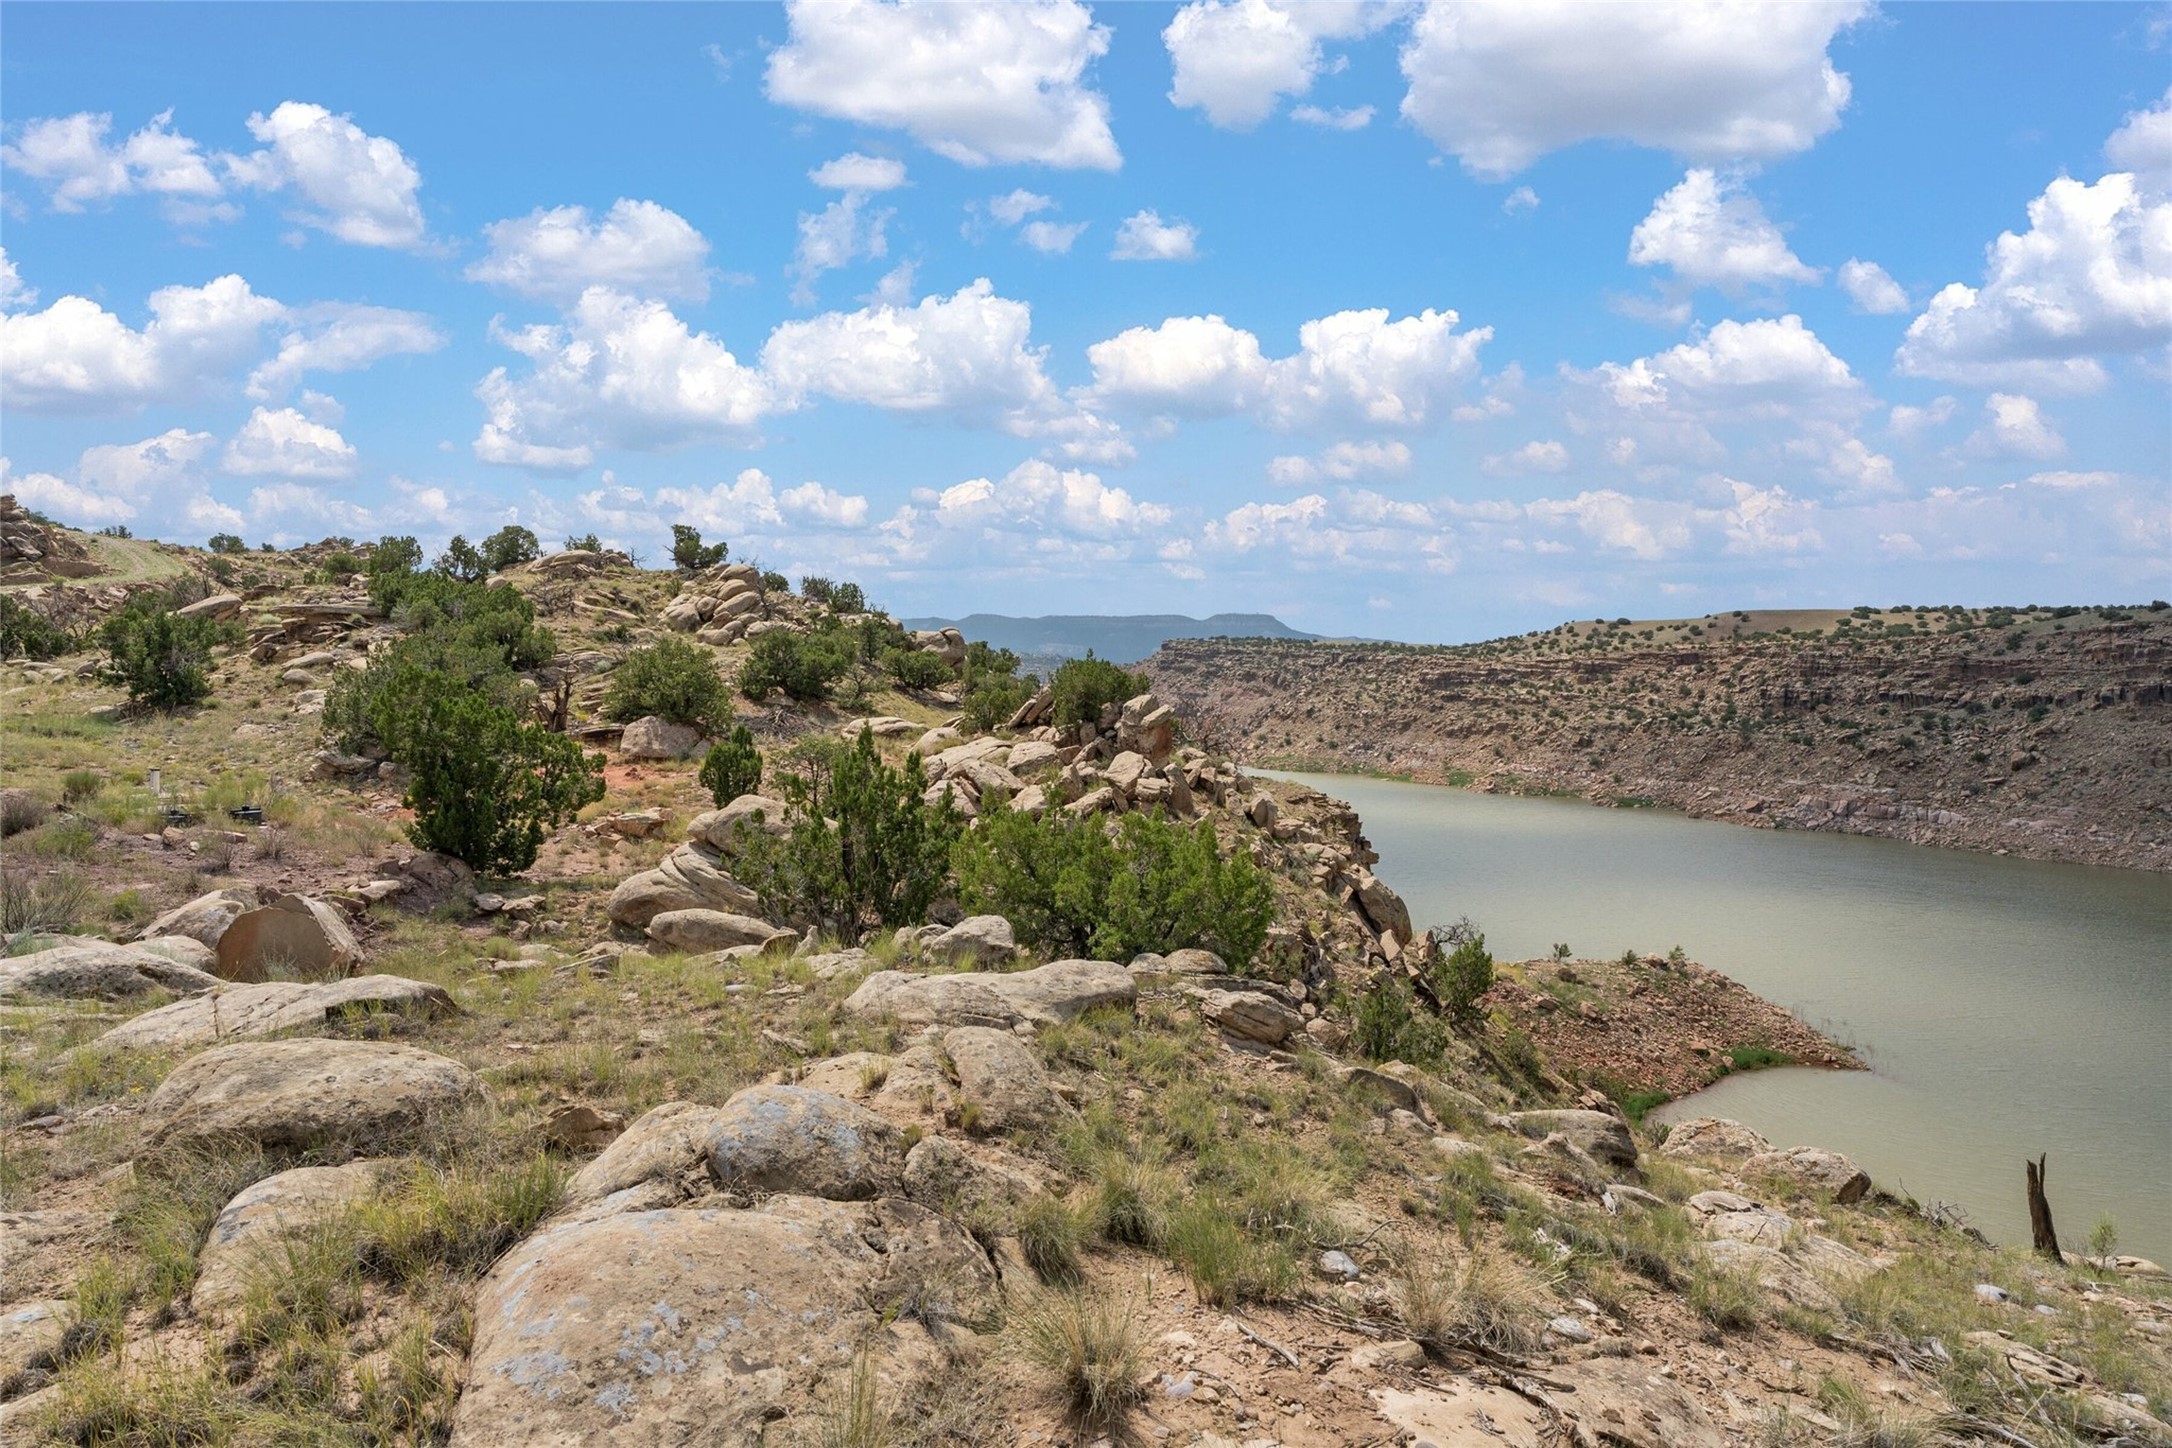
{"x":732,"y":767}
{"x":162,"y":659}
{"x":670,"y":679}
{"x":1082,"y":688}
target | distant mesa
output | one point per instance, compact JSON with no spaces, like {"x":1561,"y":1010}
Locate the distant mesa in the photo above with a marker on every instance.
{"x":1119,"y":638}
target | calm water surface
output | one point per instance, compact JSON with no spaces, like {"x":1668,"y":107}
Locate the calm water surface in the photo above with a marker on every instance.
{"x":2005,"y":1007}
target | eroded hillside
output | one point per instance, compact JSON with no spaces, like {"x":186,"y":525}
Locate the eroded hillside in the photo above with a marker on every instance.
{"x":2039,"y":732}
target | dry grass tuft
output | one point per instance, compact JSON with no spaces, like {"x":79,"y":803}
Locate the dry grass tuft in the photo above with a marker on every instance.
{"x":1090,"y":1346}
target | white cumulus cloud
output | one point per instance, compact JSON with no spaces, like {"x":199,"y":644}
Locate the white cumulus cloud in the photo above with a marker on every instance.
{"x":2143,"y":144}
{"x":1342,"y":461}
{"x":1499,"y":83}
{"x":979,"y":84}
{"x":75,"y":356}
{"x":358,"y":187}
{"x":1334,"y":118}
{"x":1051,"y":238}
{"x":2091,"y":278}
{"x":637,"y":246}
{"x":1711,"y":232}
{"x":1871,"y":288}
{"x":1236,"y":59}
{"x":71,"y":157}
{"x":342,"y":337}
{"x":1144,"y":236}
{"x":845,"y":231}
{"x":1543,"y":456}
{"x":2015,"y":426}
{"x":286,"y":444}
{"x":855,"y":172}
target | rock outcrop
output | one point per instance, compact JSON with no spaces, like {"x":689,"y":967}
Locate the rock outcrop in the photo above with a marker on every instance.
{"x":78,"y":970}
{"x":236,"y":1012}
{"x":1061,"y":991}
{"x":295,"y":1095}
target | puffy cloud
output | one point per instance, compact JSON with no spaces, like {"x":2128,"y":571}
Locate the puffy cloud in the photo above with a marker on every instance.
{"x":1354,"y":527}
{"x":1356,"y":365}
{"x":1768,"y":520}
{"x":13,"y":293}
{"x":1546,"y":456}
{"x":1018,"y":205}
{"x":1236,"y":59}
{"x":342,"y":337}
{"x":1870,"y":288}
{"x":75,"y":356}
{"x":1520,"y":200}
{"x":2014,"y":426}
{"x":1144,"y":236}
{"x":1037,"y":492}
{"x":979,"y":84}
{"x":1499,"y":83}
{"x":72,"y":159}
{"x":2092,"y":277}
{"x":1334,"y":118}
{"x":855,"y":172}
{"x":970,"y":353}
{"x":618,"y":372}
{"x":554,"y":255}
{"x":1912,"y":422}
{"x":845,"y":231}
{"x":361,"y":188}
{"x":139,"y":472}
{"x":56,"y":497}
{"x":1051,"y":238}
{"x":286,"y":444}
{"x":1343,"y":461}
{"x":159,"y":479}
{"x":1712,"y":233}
{"x":1648,"y":528}
{"x":2143,"y":144}
{"x":815,"y":504}
{"x":1766,"y":365}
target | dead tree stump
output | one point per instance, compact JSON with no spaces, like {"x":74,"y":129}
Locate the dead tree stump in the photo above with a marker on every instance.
{"x":2042,"y":1235}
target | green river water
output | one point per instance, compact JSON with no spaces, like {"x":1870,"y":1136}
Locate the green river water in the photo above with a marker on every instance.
{"x":2005,"y":1007}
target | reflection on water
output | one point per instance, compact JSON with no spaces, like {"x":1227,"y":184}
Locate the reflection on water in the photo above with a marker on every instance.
{"x":2007,"y":1007}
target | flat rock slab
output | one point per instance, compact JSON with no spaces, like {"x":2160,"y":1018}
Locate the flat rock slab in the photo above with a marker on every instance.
{"x":1048,"y":995}
{"x":699,"y":930}
{"x":1463,"y":1415}
{"x":98,"y":970}
{"x":29,"y":1333}
{"x":687,"y":1327}
{"x":291,"y":1095}
{"x":1603,"y":1137}
{"x":1782,"y":1277}
{"x":234,"y":1012}
{"x":247,"y":1236}
{"x":1625,"y":1404}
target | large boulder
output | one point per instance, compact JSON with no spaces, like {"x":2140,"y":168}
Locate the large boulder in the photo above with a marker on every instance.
{"x":1715,"y":1137}
{"x":183,"y":950}
{"x":973,"y":943}
{"x":294,"y":933}
{"x":251,"y":1231}
{"x":790,"y":1140}
{"x":1782,"y":1277}
{"x":237,"y":1012}
{"x":678,"y":1328}
{"x":1621,"y":1402}
{"x":217,"y":606}
{"x":96,"y":968}
{"x":959,"y":1178}
{"x":1048,"y":995}
{"x":1029,"y":757}
{"x":206,"y":917}
{"x":664,"y":1145}
{"x":722,"y":829}
{"x":365,"y":1096}
{"x":1603,"y":1137}
{"x":1001,"y":1080}
{"x":1814,"y":1169}
{"x":1250,"y":1015}
{"x":654,"y":738}
{"x":690,"y":878}
{"x":700,"y":930}
{"x":1383,"y":907}
{"x":1732,"y":1217}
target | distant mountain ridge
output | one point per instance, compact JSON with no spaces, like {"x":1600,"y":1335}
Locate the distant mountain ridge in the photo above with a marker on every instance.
{"x":1120,"y":638}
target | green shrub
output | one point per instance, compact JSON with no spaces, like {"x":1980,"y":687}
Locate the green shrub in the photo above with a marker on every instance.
{"x":733,"y":767}
{"x":226,"y":543}
{"x":339,"y":565}
{"x":509,"y":546}
{"x":1048,"y":1237}
{"x":1074,"y":887}
{"x":815,"y":589}
{"x":1391,"y":1026}
{"x":1460,"y":976}
{"x":78,"y":785}
{"x":161,"y":658}
{"x":462,"y":561}
{"x":1082,"y":688}
{"x":585,"y":543}
{"x":486,"y":788}
{"x":671,"y":679}
{"x":690,"y":555}
{"x":917,"y":668}
{"x":463,"y":634}
{"x":862,"y":846}
{"x":802,"y":666}
{"x":990,"y":704}
{"x":848,"y":598}
{"x":29,"y":634}
{"x":775,"y":582}
{"x":395,"y":553}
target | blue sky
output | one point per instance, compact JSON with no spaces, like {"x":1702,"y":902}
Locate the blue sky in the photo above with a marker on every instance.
{"x":1422,"y":321}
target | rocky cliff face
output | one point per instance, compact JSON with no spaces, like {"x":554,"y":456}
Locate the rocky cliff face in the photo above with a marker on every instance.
{"x":2045,"y":733}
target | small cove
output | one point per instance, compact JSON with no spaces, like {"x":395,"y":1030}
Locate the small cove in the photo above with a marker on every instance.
{"x":2005,"y":1007}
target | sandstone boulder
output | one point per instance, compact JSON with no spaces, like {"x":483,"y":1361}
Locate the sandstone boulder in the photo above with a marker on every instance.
{"x":206,"y":917}
{"x":957,"y":1178}
{"x":182,"y":950}
{"x":1715,"y":1137}
{"x":1814,"y":1169}
{"x":95,"y":968}
{"x":294,"y":934}
{"x":976,"y":942}
{"x":699,"y":930}
{"x":1383,"y":906}
{"x":1050,"y":994}
{"x":294,"y":1095}
{"x":790,"y":1140}
{"x":234,"y":1012}
{"x":721,"y":829}
{"x":218,"y":605}
{"x":1030,"y":757}
{"x":1604,"y":1137}
{"x":690,"y":878}
{"x":1780,"y":1275}
{"x":679,"y":1328}
{"x":655,"y":738}
{"x":31,"y":1333}
{"x":662,"y":1146}
{"x":1250,"y":1015}
{"x":1623,"y":1403}
{"x":1732,"y":1217}
{"x":247,"y":1236}
{"x":1001,"y":1080}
